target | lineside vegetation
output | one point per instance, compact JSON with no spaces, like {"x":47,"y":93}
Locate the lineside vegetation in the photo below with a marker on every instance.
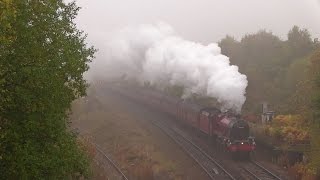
{"x":42,"y":60}
{"x":285,"y":73}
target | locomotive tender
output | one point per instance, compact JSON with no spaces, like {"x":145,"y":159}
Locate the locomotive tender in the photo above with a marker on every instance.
{"x":222,"y":129}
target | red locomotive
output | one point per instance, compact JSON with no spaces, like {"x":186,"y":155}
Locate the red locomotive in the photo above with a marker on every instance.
{"x":222,"y":128}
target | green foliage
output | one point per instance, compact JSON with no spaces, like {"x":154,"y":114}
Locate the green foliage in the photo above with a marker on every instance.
{"x":42,"y":60}
{"x":286,"y":73}
{"x":274,"y":67}
{"x":299,"y":41}
{"x":315,"y":105}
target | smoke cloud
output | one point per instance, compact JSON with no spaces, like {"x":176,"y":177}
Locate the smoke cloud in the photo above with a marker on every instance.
{"x":155,"y":54}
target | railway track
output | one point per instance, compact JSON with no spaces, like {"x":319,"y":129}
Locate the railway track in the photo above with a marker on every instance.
{"x":115,"y":166}
{"x":208,"y":164}
{"x":247,"y":170}
{"x":100,"y":155}
{"x":258,"y":172}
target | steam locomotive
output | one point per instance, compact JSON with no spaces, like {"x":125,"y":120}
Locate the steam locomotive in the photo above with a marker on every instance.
{"x":223,"y":129}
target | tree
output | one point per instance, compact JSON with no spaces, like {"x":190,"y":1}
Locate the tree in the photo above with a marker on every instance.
{"x":42,"y":60}
{"x":306,"y":102}
{"x":229,"y":45}
{"x":315,"y":106}
{"x":7,"y":34}
{"x":300,"y":42}
{"x":275,"y":68}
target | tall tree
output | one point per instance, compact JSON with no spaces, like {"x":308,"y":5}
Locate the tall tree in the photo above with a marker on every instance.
{"x":229,"y":45}
{"x":42,"y":60}
{"x":315,"y":124}
{"x":300,"y":42}
{"x":274,"y":67}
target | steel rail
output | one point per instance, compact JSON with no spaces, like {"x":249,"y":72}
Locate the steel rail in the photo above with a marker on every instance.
{"x":266,"y":170}
{"x":77,"y":131}
{"x":112,"y":163}
{"x":208,"y":164}
{"x":188,"y":151}
{"x":208,"y":156}
{"x":262,"y":169}
{"x":251,"y":173}
{"x":258,"y":171}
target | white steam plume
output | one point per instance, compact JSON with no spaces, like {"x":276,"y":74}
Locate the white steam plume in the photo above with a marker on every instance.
{"x":155,"y":54}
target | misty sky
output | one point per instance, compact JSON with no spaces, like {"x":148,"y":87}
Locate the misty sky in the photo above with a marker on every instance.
{"x":200,"y":20}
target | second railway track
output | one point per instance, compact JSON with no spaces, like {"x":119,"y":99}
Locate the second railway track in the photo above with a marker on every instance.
{"x":213,"y":167}
{"x":246,"y":169}
{"x":102,"y":157}
{"x":258,"y":172}
{"x":209,"y":165}
{"x":111,"y":162}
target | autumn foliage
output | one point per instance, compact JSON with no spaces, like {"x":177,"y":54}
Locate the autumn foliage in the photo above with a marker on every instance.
{"x":289,"y":128}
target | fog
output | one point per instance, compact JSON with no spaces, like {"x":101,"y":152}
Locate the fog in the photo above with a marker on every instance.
{"x":203,"y":21}
{"x":183,"y":50}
